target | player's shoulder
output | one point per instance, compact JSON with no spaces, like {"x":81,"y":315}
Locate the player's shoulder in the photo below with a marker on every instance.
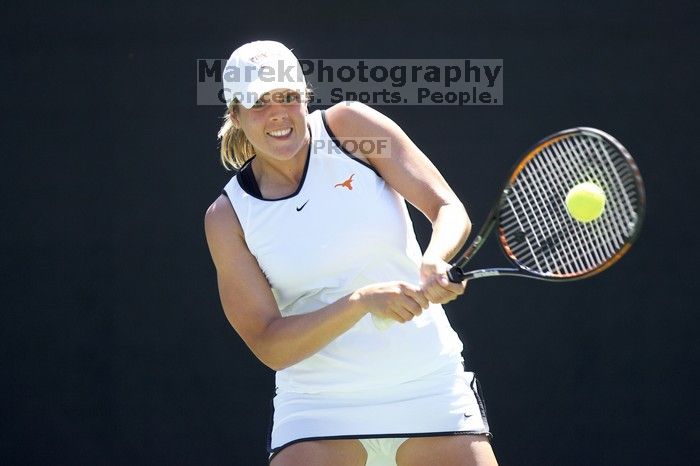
{"x":353,"y":118}
{"x":220,"y":216}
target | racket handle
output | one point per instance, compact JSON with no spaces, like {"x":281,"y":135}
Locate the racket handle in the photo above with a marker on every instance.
{"x":382,"y":323}
{"x":455,"y":274}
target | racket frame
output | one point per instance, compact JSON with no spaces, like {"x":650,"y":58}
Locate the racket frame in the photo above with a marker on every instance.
{"x":457,"y":273}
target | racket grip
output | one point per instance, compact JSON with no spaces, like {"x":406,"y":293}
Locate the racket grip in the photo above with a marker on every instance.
{"x":455,"y":274}
{"x":382,"y":323}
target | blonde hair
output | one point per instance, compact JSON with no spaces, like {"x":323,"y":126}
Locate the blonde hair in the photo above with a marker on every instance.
{"x":235,"y":147}
{"x":236,"y":150}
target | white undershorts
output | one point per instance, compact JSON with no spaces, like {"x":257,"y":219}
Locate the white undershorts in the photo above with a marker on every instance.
{"x":382,"y":451}
{"x":445,"y":403}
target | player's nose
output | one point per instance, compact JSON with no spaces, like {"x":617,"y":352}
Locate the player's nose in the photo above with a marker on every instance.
{"x":278,"y":112}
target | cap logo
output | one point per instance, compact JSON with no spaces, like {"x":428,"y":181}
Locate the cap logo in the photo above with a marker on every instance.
{"x":259,"y":57}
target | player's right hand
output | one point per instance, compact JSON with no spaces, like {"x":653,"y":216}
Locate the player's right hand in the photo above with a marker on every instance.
{"x":399,"y":301}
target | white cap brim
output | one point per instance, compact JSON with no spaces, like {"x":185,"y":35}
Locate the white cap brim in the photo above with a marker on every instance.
{"x":259,"y":88}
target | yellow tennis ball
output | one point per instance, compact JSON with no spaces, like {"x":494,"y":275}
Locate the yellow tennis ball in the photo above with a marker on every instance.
{"x":585,"y":202}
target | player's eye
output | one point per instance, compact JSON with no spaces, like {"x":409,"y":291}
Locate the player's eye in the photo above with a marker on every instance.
{"x":264,"y":100}
{"x":292,"y":97}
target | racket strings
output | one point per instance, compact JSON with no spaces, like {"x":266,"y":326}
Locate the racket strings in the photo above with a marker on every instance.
{"x":623,"y":201}
{"x":599,"y":237}
{"x":542,"y":226}
{"x":596,"y":236}
{"x":536,"y":228}
{"x":546,"y":228}
{"x":571,"y":261}
{"x":602,"y":152}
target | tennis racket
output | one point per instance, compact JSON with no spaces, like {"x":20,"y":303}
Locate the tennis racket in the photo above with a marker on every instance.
{"x":534,"y":227}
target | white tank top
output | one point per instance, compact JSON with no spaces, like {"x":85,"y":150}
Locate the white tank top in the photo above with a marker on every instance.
{"x":344,"y":228}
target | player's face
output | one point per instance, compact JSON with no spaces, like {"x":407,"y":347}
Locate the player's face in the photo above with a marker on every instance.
{"x":276,"y":125}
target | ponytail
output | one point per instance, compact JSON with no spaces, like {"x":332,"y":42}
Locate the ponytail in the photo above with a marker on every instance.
{"x":235,"y":147}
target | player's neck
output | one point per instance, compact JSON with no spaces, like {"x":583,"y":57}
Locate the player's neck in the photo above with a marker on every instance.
{"x":278,"y":178}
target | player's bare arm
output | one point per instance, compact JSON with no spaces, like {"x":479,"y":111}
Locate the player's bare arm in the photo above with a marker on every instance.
{"x":409,"y":171}
{"x":250,"y":307}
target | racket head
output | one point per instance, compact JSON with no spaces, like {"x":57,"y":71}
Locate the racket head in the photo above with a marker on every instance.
{"x":533,"y":226}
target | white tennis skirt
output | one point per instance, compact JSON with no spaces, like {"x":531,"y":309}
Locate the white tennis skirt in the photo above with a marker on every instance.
{"x":447,"y":402}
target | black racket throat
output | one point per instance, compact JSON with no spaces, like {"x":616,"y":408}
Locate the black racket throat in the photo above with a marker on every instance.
{"x":458,"y":272}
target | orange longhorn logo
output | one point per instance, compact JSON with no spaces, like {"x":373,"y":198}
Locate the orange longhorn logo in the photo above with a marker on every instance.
{"x":347,"y":183}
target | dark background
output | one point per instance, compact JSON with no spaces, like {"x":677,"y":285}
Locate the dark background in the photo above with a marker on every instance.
{"x":114,"y":346}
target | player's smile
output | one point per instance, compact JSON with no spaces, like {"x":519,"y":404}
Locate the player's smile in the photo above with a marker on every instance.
{"x":281,"y":134}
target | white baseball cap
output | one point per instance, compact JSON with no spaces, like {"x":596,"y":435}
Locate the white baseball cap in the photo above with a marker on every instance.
{"x":260,"y":67}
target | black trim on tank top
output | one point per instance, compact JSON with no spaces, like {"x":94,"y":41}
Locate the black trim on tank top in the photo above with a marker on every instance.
{"x":340,"y":146}
{"x":246,"y":177}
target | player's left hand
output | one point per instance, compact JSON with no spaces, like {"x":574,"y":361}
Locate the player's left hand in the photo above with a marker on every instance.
{"x":435,"y":285}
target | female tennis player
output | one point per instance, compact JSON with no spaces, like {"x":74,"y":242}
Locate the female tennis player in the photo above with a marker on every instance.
{"x":312,"y":244}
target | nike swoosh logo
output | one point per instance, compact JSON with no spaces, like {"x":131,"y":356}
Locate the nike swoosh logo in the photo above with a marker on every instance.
{"x":302,"y":206}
